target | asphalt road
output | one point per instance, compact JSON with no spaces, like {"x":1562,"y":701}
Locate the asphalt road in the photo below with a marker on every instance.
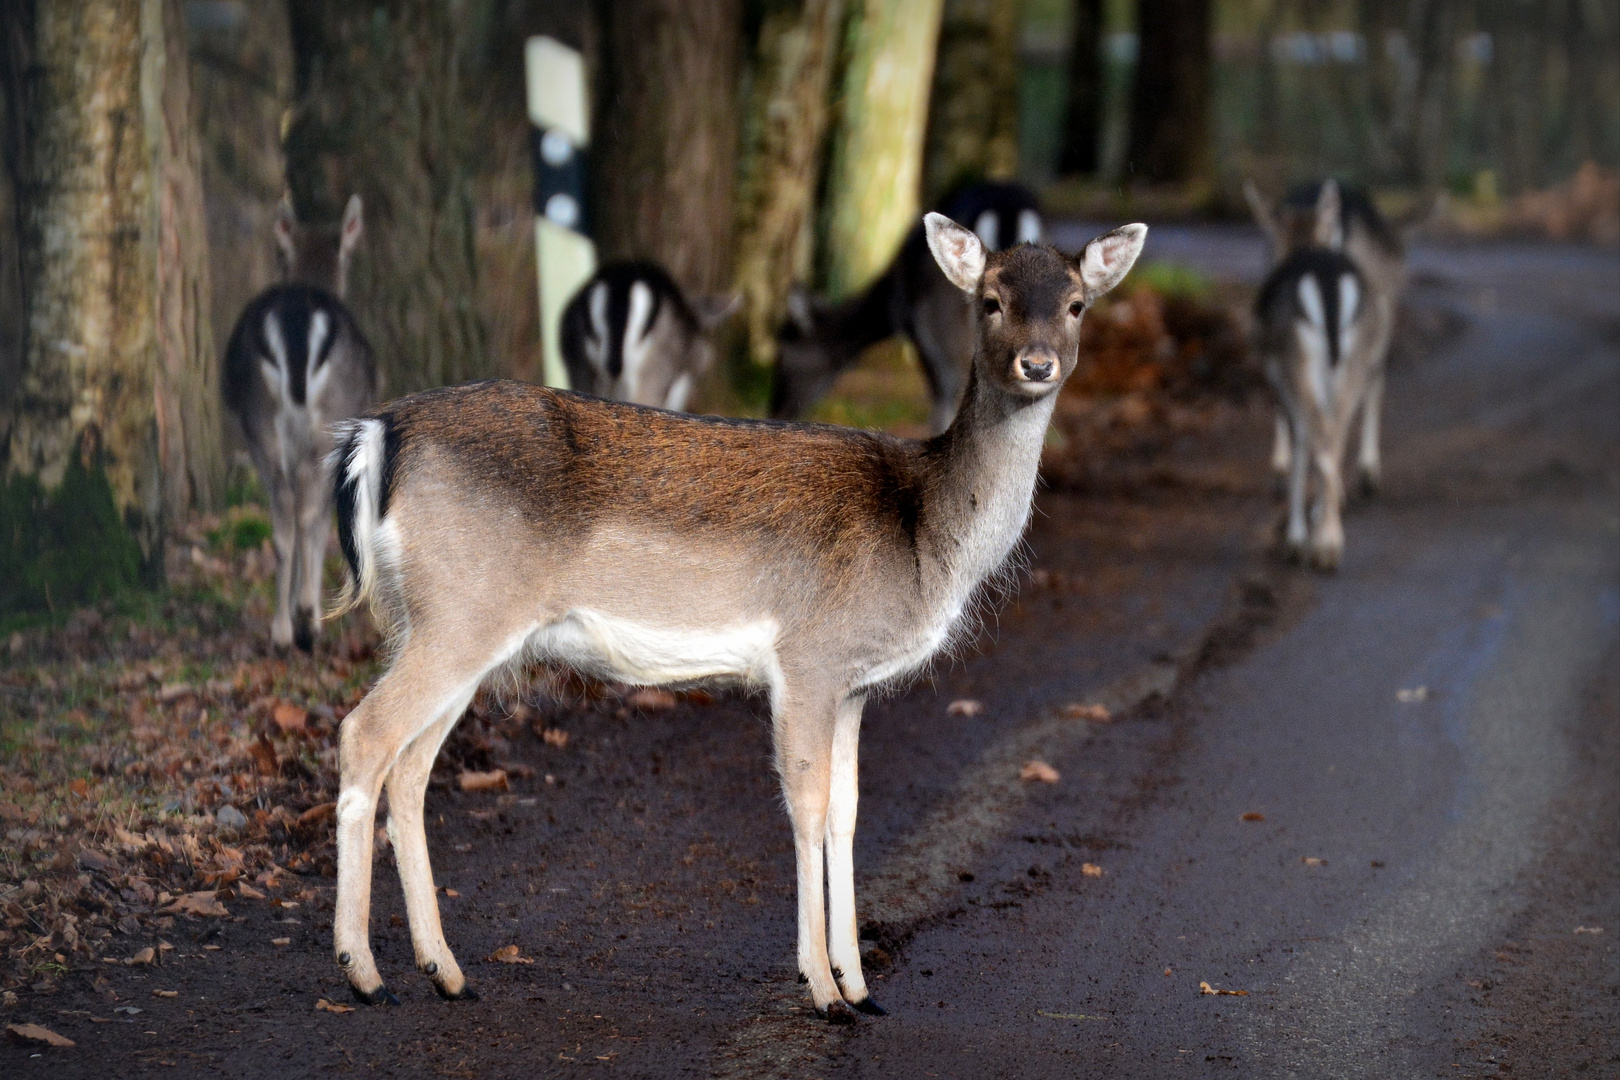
{"x":1426,"y":746}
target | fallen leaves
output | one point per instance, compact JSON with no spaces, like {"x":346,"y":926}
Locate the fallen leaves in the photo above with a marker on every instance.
{"x":281,"y":941}
{"x":1205,"y":988}
{"x":316,"y":814}
{"x":204,"y":904}
{"x":509,"y":954}
{"x":1038,"y":771}
{"x":494,"y":780}
{"x":143,"y":958}
{"x":289,"y":718}
{"x":1097,"y":714}
{"x":39,"y":1036}
{"x":1589,"y":929}
{"x":1411,"y":695}
{"x":965,"y":707}
{"x":165,"y":993}
{"x":555,"y":737}
{"x":1091,"y":869}
{"x":1253,"y":815}
{"x":1311,"y":860}
{"x":332,"y":1007}
{"x":652,"y":699}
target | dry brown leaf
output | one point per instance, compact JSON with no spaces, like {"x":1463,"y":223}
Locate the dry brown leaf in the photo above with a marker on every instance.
{"x":965,"y":707}
{"x":555,"y":736}
{"x":33,"y":1033}
{"x":332,"y":1007}
{"x":508,"y":954}
{"x":651,"y":698}
{"x":248,"y":892}
{"x":263,"y":755}
{"x":1205,"y":988}
{"x":203,"y":903}
{"x":1589,"y":929}
{"x":451,"y":892}
{"x":166,"y":993}
{"x":1311,"y":860}
{"x":1412,"y":695}
{"x":317,"y":814}
{"x":143,"y":958}
{"x":1038,"y":770}
{"x":80,"y":787}
{"x":494,"y":780}
{"x":1097,"y":714}
{"x":281,"y":941}
{"x":1254,"y":815}
{"x":289,"y":717}
{"x":1091,"y":869}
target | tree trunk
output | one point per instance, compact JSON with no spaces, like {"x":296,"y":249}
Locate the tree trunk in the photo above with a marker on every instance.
{"x":973,"y":115}
{"x":378,"y":112}
{"x":873,"y":181}
{"x":1170,"y":103}
{"x":1083,"y":112}
{"x":664,"y":140}
{"x":787,"y":113}
{"x":115,"y":264}
{"x":16,"y":61}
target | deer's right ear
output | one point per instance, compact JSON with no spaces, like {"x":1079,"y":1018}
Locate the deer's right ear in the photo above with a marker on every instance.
{"x":958,"y":251}
{"x":283,"y":230}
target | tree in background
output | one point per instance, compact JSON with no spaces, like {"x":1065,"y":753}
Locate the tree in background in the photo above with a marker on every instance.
{"x":1171,"y":111}
{"x":784,"y":136}
{"x":874,"y":174}
{"x":117,"y":366}
{"x":378,"y":110}
{"x":973,"y":112}
{"x":664,"y":144}
{"x":1081,"y":147}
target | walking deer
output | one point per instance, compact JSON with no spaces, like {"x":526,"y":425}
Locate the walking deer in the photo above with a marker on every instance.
{"x":1323,"y":322}
{"x":631,"y":334}
{"x":912,"y":298}
{"x":497,"y":522}
{"x":295,"y":363}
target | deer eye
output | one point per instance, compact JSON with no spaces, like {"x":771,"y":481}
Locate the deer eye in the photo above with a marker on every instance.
{"x":991,"y":305}
{"x":1076,"y":308}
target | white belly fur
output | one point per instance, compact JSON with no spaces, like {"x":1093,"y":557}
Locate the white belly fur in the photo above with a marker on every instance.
{"x":636,"y":653}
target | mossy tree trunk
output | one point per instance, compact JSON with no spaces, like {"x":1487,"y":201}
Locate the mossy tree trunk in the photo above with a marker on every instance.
{"x":874,"y":175}
{"x":1171,"y":122}
{"x":973,"y":116}
{"x":119,"y":351}
{"x":1083,"y":109}
{"x":378,"y":111}
{"x":784,"y":138}
{"x":664,"y":144}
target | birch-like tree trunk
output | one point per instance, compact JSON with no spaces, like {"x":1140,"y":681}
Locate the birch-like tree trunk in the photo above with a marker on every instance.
{"x":973,"y":117}
{"x":784,"y":139}
{"x":119,"y":351}
{"x":874,"y":176}
{"x":664,"y":144}
{"x":378,"y":111}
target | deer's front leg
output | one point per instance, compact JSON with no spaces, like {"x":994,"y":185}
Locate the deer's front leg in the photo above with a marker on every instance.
{"x":1372,"y":407}
{"x":804,"y":737}
{"x":844,"y":947}
{"x":1327,"y":526}
{"x":1299,"y":465}
{"x":284,"y":534}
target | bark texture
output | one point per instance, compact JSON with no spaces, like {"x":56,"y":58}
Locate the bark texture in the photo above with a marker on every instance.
{"x":119,"y":350}
{"x":1083,"y":108}
{"x":1171,"y":100}
{"x":378,"y":111}
{"x":664,"y":145}
{"x":784,"y":138}
{"x":874,"y":176}
{"x":973,"y":117}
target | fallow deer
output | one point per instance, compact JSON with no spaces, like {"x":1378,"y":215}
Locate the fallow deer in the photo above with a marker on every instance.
{"x":495,"y":523}
{"x":296,"y":362}
{"x":1322,"y":331}
{"x":913,"y":299}
{"x":631,"y":334}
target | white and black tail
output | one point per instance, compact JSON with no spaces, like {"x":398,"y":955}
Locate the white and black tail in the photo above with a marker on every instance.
{"x":362,"y":470}
{"x":1316,"y":295}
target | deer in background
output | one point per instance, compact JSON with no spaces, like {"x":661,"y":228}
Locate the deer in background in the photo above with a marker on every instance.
{"x":1323,"y":323}
{"x":631,"y":334}
{"x":296,"y":363}
{"x":912,"y":298}
{"x":497,"y":522}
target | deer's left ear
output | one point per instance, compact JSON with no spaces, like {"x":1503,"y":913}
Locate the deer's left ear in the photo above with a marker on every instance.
{"x":1107,"y":259}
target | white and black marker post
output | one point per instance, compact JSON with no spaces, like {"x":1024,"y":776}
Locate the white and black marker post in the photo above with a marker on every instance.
{"x":565,"y":256}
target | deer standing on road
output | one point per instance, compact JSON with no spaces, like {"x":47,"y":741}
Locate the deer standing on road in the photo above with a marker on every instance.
{"x":1323,"y":323}
{"x":631,"y":334}
{"x":912,"y":298}
{"x":296,"y":363}
{"x":498,"y":522}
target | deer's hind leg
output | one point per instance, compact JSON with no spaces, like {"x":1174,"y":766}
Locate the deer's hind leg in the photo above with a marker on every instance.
{"x":1372,"y":409}
{"x":284,"y":535}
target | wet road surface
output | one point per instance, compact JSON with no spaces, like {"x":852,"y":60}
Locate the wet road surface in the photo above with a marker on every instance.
{"x":1426,"y":745}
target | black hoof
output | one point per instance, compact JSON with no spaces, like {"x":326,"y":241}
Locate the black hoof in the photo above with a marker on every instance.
{"x":838,"y":1012}
{"x":870,"y":1007}
{"x":466,"y":993}
{"x":304,"y":630}
{"x":380,"y":996}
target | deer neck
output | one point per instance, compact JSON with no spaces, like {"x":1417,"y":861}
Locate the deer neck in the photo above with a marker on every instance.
{"x":984,"y":483}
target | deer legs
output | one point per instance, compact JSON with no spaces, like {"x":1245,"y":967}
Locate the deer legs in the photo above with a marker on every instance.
{"x":843,"y":936}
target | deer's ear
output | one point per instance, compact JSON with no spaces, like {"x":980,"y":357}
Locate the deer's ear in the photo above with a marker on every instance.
{"x":1107,"y":259}
{"x":957,"y":250}
{"x":711,"y":311}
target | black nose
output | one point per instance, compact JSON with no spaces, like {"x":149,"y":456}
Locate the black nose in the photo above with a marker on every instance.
{"x":1036,"y":370}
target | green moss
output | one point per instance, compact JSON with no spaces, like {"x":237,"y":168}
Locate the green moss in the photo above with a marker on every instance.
{"x":1169,"y":279}
{"x":64,"y":548}
{"x":244,"y":528}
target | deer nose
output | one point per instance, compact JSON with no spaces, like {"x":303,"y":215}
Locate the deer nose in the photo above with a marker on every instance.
{"x":1037,"y":367}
